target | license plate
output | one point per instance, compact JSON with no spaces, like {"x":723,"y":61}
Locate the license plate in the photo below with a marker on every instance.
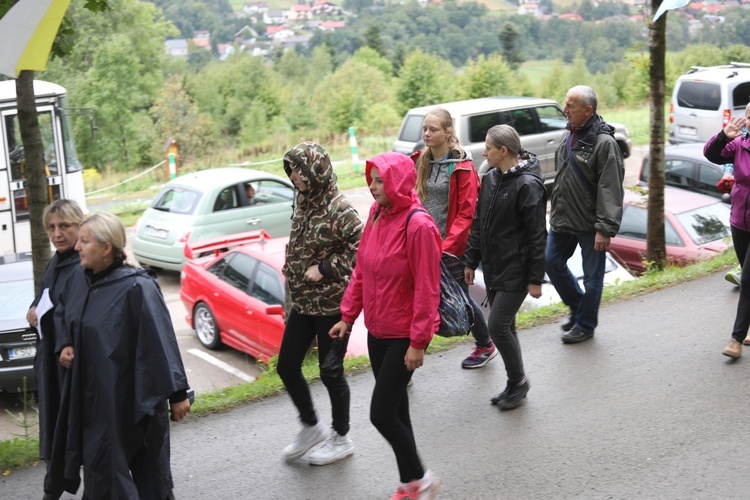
{"x":688,"y":131}
{"x":22,"y":352}
{"x":155,"y":232}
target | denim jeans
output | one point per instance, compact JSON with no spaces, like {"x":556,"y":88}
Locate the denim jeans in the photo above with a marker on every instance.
{"x":479,"y":330}
{"x":583,"y":304}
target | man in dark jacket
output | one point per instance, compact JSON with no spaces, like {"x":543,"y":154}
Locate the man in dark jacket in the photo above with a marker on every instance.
{"x":586,"y":209}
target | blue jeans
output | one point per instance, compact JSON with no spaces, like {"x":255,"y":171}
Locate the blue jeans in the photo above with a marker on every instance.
{"x":584,"y":305}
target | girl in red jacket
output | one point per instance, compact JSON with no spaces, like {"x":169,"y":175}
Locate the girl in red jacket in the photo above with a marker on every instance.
{"x":396,"y":281}
{"x":448,"y":187}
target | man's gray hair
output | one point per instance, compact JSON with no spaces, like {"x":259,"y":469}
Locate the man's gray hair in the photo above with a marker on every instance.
{"x":586,"y":96}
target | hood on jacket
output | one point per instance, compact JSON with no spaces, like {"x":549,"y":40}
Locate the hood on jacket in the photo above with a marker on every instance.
{"x":312,"y":164}
{"x":586,"y":134}
{"x":399,"y":178}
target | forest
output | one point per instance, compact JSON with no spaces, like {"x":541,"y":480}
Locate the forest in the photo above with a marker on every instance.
{"x":387,"y":60}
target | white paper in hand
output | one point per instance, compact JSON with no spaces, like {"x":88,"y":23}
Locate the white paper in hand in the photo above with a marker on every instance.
{"x":44,"y":305}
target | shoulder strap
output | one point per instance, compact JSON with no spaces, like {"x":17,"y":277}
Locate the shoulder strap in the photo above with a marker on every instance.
{"x":408,"y":217}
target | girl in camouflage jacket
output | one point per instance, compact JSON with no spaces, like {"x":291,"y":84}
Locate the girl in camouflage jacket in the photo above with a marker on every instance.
{"x":320,"y":257}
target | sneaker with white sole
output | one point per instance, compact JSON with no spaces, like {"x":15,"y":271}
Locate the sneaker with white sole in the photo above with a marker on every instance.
{"x":307,"y":439}
{"x":733,"y":276}
{"x":333,"y":449}
{"x":479,"y":357}
{"x":422,"y":489}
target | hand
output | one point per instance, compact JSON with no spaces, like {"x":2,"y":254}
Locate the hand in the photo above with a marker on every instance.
{"x":469,"y":275}
{"x":340,"y":330}
{"x":31,"y":316}
{"x":179,"y":410}
{"x":734,"y":127}
{"x":414,"y":358}
{"x":727,"y":177}
{"x":313,"y":274}
{"x":601,"y":242}
{"x":534,"y":290}
{"x":66,"y":356}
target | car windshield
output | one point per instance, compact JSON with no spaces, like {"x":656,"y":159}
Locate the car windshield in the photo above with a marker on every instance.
{"x":706,"y":224}
{"x":177,"y":200}
{"x":15,"y":297}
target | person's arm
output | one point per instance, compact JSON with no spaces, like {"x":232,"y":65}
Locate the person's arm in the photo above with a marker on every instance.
{"x":720,"y":148}
{"x":347,"y":229}
{"x":473,"y":254}
{"x":423,"y":247}
{"x":609,"y":191}
{"x":532,"y":205}
{"x":467,"y":188}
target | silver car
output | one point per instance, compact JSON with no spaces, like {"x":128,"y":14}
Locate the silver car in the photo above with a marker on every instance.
{"x":17,"y":338}
{"x":208,"y":204}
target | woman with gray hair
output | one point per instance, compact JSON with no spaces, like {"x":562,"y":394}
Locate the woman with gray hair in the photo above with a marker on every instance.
{"x":62,"y":220}
{"x":509,"y":237}
{"x":123,"y":362}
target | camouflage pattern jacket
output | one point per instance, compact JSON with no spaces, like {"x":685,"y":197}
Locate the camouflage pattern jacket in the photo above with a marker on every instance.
{"x":325,"y":232}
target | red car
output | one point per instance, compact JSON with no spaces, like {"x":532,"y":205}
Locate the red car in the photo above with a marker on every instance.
{"x":236,"y":297}
{"x":696,"y":227}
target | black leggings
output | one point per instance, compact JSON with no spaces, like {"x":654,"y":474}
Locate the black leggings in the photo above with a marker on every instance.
{"x":389,"y":408}
{"x":741,"y":240}
{"x":299,"y":333}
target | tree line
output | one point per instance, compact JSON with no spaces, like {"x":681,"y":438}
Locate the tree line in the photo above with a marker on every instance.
{"x":386,"y":61}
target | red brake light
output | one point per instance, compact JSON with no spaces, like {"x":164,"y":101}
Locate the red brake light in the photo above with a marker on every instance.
{"x":671,"y":113}
{"x":727,"y":117}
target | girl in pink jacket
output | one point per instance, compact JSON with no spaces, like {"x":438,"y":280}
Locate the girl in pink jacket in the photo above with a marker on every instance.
{"x":396,"y":281}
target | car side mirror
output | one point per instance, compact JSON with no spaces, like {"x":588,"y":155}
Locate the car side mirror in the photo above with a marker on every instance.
{"x":275,"y":310}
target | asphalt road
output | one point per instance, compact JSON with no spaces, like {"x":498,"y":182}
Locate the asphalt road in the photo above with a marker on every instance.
{"x":211,"y":370}
{"x":649,"y":408}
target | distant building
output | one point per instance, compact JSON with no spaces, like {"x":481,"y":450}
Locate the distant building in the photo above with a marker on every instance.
{"x":529,"y":8}
{"x":177,"y":48}
{"x":292,"y":41}
{"x":323,"y":8}
{"x":278,"y":33}
{"x":246,"y":33}
{"x":300,"y":12}
{"x":274,"y":16}
{"x":331,"y":25}
{"x":252,"y":8}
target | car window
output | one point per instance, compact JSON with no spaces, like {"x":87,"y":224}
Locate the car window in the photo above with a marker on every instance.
{"x":699,"y":95}
{"x":741,"y":95}
{"x":706,"y":224}
{"x":270,"y":191}
{"x":708,"y":177}
{"x":635,"y":222}
{"x":412,"y":129}
{"x":15,"y":297}
{"x":551,"y":118}
{"x":176,"y":200}
{"x":239,"y":271}
{"x":678,"y":172}
{"x":227,"y":199}
{"x":523,"y":121}
{"x":217,"y":268}
{"x":267,"y":286}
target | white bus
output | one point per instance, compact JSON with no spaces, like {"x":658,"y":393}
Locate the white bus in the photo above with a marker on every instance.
{"x":64,"y":172}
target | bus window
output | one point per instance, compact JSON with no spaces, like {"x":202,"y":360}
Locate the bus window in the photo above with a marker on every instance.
{"x":18,"y":162}
{"x":72,"y":164}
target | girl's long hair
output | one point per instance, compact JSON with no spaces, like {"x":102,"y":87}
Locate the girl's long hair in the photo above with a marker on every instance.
{"x":423,"y":164}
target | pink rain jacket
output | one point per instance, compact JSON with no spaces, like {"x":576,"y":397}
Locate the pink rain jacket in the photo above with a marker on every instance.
{"x":397,"y":276}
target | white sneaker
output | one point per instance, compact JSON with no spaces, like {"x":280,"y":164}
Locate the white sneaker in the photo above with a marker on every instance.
{"x":429,"y":486}
{"x":307,"y":438}
{"x":335,"y":448}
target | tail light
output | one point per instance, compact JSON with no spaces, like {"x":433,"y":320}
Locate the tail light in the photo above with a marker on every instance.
{"x":727,"y":117}
{"x":671,"y":113}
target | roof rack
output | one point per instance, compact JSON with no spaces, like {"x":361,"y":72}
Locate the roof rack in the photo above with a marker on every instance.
{"x":731,"y":65}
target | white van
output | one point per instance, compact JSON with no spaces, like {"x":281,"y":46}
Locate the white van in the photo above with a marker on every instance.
{"x":540,"y":123}
{"x":705,"y":99}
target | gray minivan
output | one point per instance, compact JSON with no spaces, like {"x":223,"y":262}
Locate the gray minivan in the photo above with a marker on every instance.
{"x":540,"y":123}
{"x":705,"y":99}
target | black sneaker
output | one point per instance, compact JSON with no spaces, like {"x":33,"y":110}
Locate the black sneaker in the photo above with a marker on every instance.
{"x":515,"y":395}
{"x":575,"y":336}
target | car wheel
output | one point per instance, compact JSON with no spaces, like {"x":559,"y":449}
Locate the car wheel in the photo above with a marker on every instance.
{"x":205,"y":326}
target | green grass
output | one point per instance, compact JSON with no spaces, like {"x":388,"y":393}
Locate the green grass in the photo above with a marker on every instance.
{"x":637,"y":119}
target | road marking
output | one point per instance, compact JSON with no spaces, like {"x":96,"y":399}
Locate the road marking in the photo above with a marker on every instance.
{"x":224,"y":366}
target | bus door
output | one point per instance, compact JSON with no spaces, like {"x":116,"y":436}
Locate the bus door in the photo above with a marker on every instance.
{"x":17,"y":175}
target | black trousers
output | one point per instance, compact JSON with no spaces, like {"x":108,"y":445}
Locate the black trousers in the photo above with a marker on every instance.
{"x":389,"y":408}
{"x":299,"y":333}
{"x":741,"y":240}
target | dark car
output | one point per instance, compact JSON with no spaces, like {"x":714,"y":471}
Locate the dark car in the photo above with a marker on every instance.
{"x":696,"y":228}
{"x":17,"y":338}
{"x":685,"y":167}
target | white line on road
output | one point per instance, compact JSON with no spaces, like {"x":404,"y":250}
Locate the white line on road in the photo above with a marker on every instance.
{"x":224,"y":366}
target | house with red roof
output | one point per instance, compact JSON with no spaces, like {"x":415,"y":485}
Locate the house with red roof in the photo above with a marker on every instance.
{"x":331,"y":25}
{"x":300,"y":12}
